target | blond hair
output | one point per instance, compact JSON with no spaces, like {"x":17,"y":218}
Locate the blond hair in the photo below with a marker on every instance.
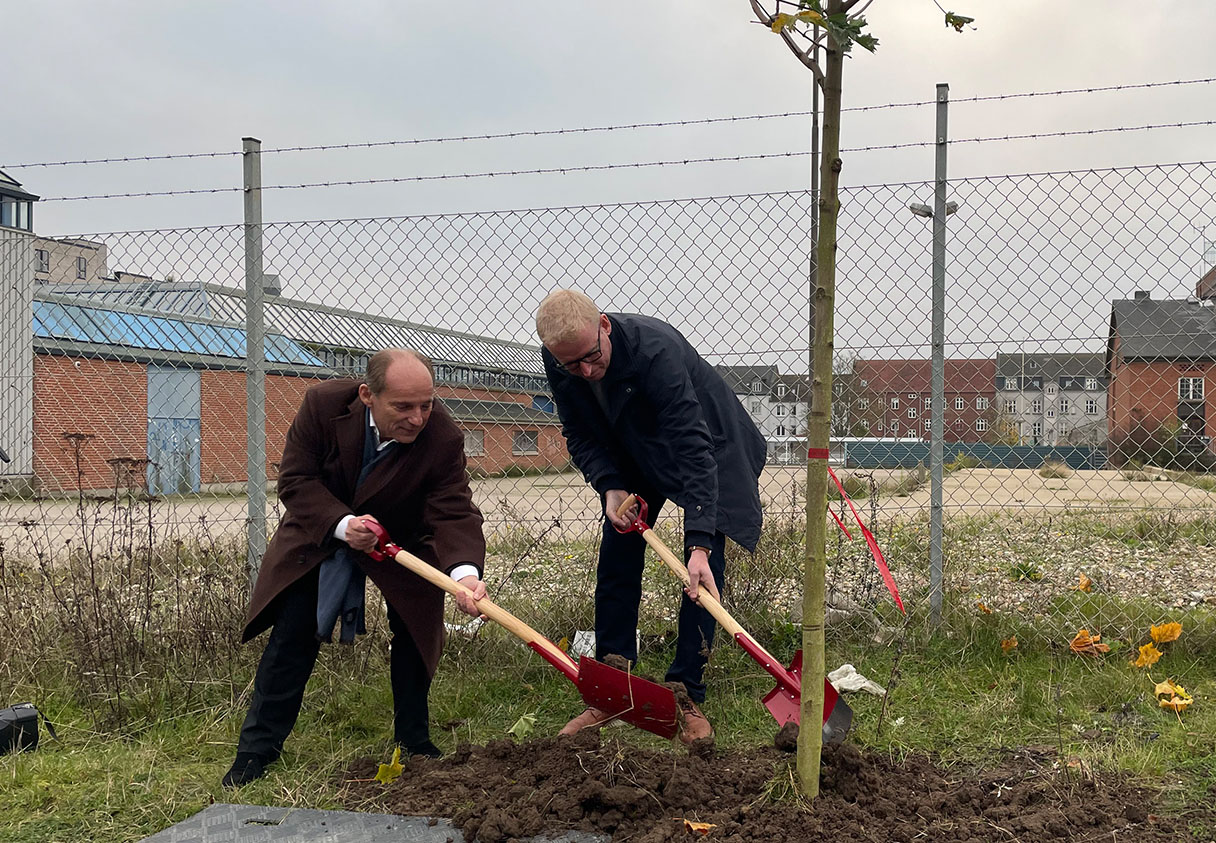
{"x":563,"y":315}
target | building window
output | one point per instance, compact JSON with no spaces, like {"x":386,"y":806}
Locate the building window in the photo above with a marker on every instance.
{"x":1051,"y":389}
{"x":1036,"y":406}
{"x":928,"y":403}
{"x":863,"y":403}
{"x":894,"y":402}
{"x":1065,"y":406}
{"x":1011,"y":406}
{"x":757,"y":387}
{"x":981,"y":425}
{"x":911,"y":412}
{"x":1062,"y":434}
{"x":475,"y":443}
{"x":1091,"y":407}
{"x":895,"y":429}
{"x":44,"y":260}
{"x":958,"y":423}
{"x":780,"y":410}
{"x":864,"y":383}
{"x":525,"y":442}
{"x":960,"y":403}
{"x":981,"y":403}
{"x":1036,"y":430}
{"x":1091,"y":383}
{"x":1190,"y":389}
{"x":782,"y":389}
{"x":880,"y":427}
{"x":755,"y":408}
{"x":1011,"y":383}
{"x":781,"y":430}
{"x":82,"y":268}
{"x":1051,"y":413}
{"x":928,"y":423}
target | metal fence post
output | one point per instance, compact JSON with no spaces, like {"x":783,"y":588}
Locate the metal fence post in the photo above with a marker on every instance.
{"x":255,"y":375}
{"x":938,"y":366}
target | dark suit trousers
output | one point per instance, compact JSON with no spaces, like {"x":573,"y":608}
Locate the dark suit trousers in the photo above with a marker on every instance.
{"x":288,"y":660}
{"x":618,"y":593}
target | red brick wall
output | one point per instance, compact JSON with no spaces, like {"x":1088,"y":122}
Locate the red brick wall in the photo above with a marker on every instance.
{"x":498,"y":448}
{"x":104,"y":400}
{"x":1145,"y":396}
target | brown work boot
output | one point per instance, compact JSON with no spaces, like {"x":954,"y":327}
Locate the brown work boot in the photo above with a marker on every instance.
{"x":693,"y":724}
{"x":591,"y":718}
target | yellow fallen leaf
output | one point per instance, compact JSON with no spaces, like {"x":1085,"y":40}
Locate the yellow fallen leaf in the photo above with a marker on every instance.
{"x":1166,"y":687}
{"x":523,"y":726}
{"x":698,"y":828}
{"x":564,"y":644}
{"x":1009,"y":643}
{"x":1085,"y":644}
{"x":983,"y":608}
{"x":1149,"y":655}
{"x":1166,"y":632}
{"x":1084,"y":584}
{"x":391,"y":770}
{"x":1178,"y":704}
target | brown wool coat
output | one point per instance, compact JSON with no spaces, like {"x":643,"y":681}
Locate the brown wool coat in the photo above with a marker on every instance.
{"x":420,"y":494}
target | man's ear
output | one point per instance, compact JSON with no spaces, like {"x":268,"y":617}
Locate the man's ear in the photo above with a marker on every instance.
{"x":365,"y":394}
{"x":606,"y":323}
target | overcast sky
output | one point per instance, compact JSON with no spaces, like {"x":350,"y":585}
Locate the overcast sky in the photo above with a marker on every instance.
{"x":135,"y":78}
{"x":90,"y":80}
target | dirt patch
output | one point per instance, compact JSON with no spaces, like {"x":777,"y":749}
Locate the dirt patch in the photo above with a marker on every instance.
{"x":505,"y":791}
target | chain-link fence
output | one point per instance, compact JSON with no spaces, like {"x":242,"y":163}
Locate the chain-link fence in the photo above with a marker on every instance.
{"x":1079,"y":332}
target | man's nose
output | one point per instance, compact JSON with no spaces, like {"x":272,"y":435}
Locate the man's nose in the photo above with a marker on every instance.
{"x":585,"y":369}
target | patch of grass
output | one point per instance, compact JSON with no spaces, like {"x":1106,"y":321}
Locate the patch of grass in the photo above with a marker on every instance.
{"x":962,"y":461}
{"x":1055,"y":470}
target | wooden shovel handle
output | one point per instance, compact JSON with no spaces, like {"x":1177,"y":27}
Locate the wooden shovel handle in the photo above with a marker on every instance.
{"x":704,"y":598}
{"x":486,"y":606}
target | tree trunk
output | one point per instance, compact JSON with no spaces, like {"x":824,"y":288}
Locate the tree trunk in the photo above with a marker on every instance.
{"x":810,"y":736}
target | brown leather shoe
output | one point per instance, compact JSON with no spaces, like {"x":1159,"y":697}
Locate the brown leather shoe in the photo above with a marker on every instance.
{"x":693,"y":724}
{"x":591,"y":718}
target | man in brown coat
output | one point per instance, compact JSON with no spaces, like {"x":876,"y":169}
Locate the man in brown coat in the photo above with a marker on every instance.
{"x":381,"y":450}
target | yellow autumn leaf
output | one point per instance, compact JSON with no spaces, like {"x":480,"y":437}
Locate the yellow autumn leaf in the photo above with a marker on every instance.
{"x":811,"y":16}
{"x":983,"y":608}
{"x":698,"y":828}
{"x":564,"y":644}
{"x":1166,"y":632}
{"x":781,"y":21}
{"x":1084,"y":584}
{"x":1166,"y":687}
{"x":391,"y":770}
{"x":1149,"y":655}
{"x":1085,"y":644}
{"x":1178,"y":704}
{"x":1009,"y":644}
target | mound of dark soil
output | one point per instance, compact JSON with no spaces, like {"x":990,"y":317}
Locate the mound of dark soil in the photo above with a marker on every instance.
{"x":506,"y":791}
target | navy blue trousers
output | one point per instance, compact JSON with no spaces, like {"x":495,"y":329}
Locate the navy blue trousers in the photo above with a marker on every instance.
{"x":618,"y":593}
{"x":288,"y":661}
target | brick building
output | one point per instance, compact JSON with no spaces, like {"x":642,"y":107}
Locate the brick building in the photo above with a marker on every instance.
{"x":891,"y":399}
{"x":125,"y":379}
{"x":1160,"y":356}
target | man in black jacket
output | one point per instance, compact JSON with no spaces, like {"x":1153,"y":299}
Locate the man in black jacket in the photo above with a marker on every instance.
{"x":644,"y":414}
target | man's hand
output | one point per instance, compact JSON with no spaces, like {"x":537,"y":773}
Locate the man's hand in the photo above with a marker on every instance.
{"x":613,"y":499}
{"x":465,"y":600}
{"x":699,"y":576}
{"x":358,"y":536}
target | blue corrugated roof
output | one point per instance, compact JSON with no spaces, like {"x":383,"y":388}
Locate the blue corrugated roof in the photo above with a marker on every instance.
{"x":56,"y":321}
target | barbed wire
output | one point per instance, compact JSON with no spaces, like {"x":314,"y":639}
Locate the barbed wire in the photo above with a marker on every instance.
{"x":595,"y":129}
{"x":586,"y":168}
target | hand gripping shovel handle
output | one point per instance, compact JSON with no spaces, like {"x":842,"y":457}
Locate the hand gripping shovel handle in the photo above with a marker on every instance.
{"x":386,"y":549}
{"x":707,"y":600}
{"x":784,"y":701}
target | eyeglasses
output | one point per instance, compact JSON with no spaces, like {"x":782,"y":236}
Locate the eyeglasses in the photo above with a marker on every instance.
{"x":590,"y":357}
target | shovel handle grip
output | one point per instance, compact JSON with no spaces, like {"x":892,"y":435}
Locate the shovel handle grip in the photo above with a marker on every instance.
{"x":486,"y":606}
{"x":704,"y":598}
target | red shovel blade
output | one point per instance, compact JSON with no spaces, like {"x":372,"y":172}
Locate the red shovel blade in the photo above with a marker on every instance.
{"x":639,"y":702}
{"x":785,"y":704}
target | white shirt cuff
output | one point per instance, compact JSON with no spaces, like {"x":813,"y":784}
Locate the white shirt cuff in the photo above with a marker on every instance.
{"x":340,"y":530}
{"x":462,"y":571}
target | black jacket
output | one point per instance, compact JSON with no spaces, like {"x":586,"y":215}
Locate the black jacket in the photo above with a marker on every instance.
{"x":672,"y":418}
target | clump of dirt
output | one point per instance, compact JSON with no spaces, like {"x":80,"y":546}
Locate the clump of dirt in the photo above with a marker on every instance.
{"x":786,"y":738}
{"x":505,"y":791}
{"x":618,"y":662}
